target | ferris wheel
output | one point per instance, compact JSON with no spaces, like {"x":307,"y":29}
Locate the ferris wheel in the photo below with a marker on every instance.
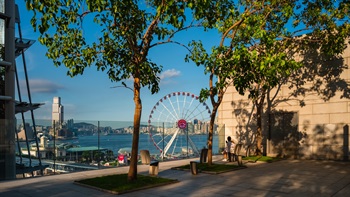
{"x":177,"y":122}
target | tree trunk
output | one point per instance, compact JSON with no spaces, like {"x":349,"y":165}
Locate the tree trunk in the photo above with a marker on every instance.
{"x":210,"y":135}
{"x":132,"y":175}
{"x":259,"y":128}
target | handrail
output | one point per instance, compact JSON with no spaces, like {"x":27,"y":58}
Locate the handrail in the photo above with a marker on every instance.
{"x":5,"y":98}
{"x":5,"y":64}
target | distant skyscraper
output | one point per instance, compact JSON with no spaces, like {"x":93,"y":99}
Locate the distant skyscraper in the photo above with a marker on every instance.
{"x":57,"y":111}
{"x":70,"y":124}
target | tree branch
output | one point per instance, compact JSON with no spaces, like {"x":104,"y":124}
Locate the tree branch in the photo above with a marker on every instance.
{"x":170,"y":41}
{"x":123,"y":87}
{"x":184,"y":28}
{"x":235,"y":25}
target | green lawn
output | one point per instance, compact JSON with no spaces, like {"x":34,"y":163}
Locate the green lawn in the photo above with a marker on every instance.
{"x":118,"y":183}
{"x":261,"y":158}
{"x":214,"y":168}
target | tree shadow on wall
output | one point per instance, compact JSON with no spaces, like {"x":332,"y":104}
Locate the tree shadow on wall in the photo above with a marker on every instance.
{"x":328,"y":141}
{"x":284,"y":135}
{"x":282,"y":132}
{"x":320,"y":75}
{"x":246,"y":123}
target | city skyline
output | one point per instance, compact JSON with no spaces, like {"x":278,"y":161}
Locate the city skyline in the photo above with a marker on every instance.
{"x":93,"y":96}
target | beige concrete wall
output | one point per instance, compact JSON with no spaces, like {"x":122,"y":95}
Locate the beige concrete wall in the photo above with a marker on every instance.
{"x":322,"y":125}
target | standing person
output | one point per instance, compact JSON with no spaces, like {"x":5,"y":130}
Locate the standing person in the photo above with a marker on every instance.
{"x":126,"y":159}
{"x":230,"y":148}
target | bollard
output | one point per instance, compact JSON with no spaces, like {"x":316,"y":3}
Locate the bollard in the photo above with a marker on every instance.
{"x":153,"y":168}
{"x":145,"y":157}
{"x":239,"y":160}
{"x":193,"y":166}
{"x":204,"y":155}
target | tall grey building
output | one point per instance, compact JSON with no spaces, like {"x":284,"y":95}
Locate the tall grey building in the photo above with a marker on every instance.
{"x":57,"y":112}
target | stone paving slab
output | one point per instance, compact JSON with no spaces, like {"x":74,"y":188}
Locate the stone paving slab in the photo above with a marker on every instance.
{"x":282,"y":178}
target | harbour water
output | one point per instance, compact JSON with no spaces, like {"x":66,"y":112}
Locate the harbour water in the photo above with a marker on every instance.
{"x":116,"y":142}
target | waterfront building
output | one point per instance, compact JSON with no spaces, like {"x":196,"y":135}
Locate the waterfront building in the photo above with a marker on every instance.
{"x":43,"y":149}
{"x":48,"y":149}
{"x":26,"y":129}
{"x":77,"y":153}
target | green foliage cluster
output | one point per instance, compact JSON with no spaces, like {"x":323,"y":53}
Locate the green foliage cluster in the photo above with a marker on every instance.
{"x":258,"y":47}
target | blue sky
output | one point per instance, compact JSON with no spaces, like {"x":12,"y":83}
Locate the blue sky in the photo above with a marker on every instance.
{"x":90,"y":96}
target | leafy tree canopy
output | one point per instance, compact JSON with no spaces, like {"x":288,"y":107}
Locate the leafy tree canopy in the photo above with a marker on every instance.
{"x":262,"y":44}
{"x":125,"y":32}
{"x":260,"y":40}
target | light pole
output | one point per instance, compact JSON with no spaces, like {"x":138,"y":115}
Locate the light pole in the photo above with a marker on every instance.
{"x":187,"y":138}
{"x":98,"y":144}
{"x":163,"y":144}
{"x":54,"y":147}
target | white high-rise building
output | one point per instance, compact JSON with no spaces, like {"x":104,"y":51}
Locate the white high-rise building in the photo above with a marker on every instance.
{"x":57,"y":112}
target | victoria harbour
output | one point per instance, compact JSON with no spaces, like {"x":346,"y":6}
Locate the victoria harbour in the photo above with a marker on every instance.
{"x":90,"y":145}
{"x":116,"y":142}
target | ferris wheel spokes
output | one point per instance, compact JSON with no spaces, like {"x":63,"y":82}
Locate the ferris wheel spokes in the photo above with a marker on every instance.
{"x":170,"y":141}
{"x":175,"y":117}
{"x":195,"y":115}
{"x":182,"y":112}
{"x":187,"y":116}
{"x":172,"y":106}
{"x":194,"y":147}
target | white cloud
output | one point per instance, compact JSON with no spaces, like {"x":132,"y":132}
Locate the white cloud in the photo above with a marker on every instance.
{"x":42,"y":86}
{"x":171,"y":73}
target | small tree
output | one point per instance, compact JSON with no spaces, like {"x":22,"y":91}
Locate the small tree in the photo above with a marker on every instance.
{"x":97,"y":155}
{"x":228,"y":63}
{"x":109,"y":155}
{"x":128,"y":30}
{"x":86,"y":156}
{"x":275,"y":51}
{"x":258,"y":47}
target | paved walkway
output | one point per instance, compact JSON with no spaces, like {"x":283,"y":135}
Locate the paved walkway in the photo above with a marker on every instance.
{"x":282,"y":178}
